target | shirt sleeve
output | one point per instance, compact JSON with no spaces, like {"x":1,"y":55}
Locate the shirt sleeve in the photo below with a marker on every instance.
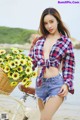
{"x":31,"y":54}
{"x":68,"y":67}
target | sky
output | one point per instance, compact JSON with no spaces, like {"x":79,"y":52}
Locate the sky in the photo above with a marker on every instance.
{"x":26,"y":13}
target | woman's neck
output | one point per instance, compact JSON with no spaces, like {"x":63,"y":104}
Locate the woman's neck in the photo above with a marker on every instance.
{"x":55,"y":36}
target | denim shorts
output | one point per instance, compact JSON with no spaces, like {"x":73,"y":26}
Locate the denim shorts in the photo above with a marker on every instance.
{"x":50,"y":87}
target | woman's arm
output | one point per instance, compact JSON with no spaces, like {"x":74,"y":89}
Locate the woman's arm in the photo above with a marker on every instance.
{"x":31,"y":54}
{"x":68,"y":67}
{"x":29,"y":90}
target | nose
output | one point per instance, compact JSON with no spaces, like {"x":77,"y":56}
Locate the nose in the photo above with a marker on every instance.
{"x":49,"y":25}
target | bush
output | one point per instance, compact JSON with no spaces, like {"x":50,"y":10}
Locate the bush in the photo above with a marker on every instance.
{"x":15,"y":35}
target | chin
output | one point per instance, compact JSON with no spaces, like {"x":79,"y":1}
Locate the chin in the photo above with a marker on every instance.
{"x":52,"y":33}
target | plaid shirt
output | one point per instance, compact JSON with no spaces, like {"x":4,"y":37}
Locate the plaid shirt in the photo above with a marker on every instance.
{"x":62,"y":51}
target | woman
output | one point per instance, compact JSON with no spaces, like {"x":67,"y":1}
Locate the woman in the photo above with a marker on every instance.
{"x":49,"y":52}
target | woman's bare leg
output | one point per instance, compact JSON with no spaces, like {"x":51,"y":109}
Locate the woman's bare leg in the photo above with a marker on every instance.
{"x":40,"y":104}
{"x":51,"y":107}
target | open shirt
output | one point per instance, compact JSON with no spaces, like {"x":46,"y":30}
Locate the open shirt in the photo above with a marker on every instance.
{"x":62,"y":51}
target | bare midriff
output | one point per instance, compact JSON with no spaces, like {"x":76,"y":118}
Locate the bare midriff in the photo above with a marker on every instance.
{"x":49,"y":72}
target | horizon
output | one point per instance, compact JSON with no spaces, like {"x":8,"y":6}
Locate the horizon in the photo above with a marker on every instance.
{"x":26,"y":15}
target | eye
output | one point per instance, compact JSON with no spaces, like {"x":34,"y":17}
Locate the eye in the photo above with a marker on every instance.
{"x":45,"y":23}
{"x":51,"y":21}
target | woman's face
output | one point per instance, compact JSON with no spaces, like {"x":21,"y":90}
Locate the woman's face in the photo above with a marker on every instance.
{"x":51,"y":24}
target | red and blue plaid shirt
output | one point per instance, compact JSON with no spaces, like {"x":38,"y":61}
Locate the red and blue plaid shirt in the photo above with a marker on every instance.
{"x":61,"y":52}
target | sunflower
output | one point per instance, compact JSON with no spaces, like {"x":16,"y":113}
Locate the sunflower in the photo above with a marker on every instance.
{"x":10,"y":74}
{"x":19,"y":69}
{"x":34,"y":74}
{"x":15,"y":75}
{"x":28,"y":70}
{"x":24,"y":81}
{"x":19,"y":56}
{"x":8,"y":56}
{"x":2,"y":52}
{"x":22,"y":62}
{"x":17,"y":62}
{"x":17,"y":66}
{"x":6,"y":69}
{"x":28,"y":83}
{"x":1,"y":60}
{"x":15,"y":51}
{"x":12,"y":64}
{"x":29,"y":63}
{"x":29,"y":58}
{"x":14,"y":83}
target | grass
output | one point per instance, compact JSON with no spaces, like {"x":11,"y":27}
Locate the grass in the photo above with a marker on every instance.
{"x":15,"y":35}
{"x":18,"y":36}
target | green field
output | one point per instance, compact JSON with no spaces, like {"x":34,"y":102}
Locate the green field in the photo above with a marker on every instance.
{"x":21,"y":36}
{"x":15,"y":35}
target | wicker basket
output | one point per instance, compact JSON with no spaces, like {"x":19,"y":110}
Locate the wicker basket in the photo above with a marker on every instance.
{"x":5,"y":87}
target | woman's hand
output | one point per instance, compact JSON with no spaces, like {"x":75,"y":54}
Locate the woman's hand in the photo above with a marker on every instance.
{"x":63,"y":91}
{"x":28,"y":90}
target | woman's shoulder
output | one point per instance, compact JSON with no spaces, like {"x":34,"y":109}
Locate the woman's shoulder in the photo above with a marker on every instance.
{"x":40,"y":39}
{"x":68,"y":43}
{"x":66,"y":39}
{"x":35,"y":39}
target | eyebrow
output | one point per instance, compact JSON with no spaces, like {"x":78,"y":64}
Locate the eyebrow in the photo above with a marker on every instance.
{"x":49,"y":20}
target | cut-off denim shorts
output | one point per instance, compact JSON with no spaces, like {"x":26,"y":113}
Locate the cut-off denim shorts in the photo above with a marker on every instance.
{"x":50,"y":87}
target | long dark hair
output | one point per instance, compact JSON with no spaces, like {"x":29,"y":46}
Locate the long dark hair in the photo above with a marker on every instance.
{"x":61,"y":28}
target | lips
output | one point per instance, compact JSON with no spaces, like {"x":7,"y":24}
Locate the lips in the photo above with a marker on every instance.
{"x":50,"y":30}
